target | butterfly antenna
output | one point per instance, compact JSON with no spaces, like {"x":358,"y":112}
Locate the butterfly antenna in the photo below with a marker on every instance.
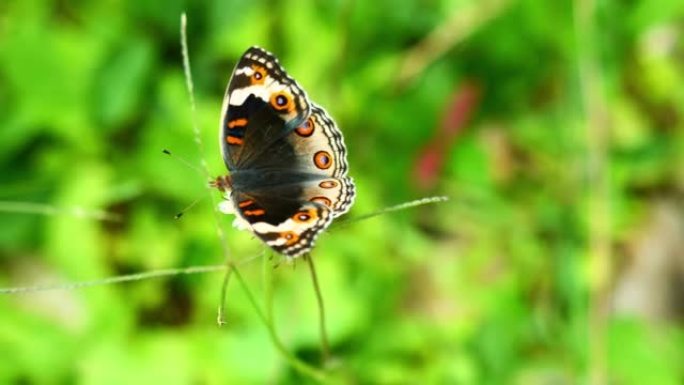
{"x":191,"y":205}
{"x":194,"y":168}
{"x":230,"y":266}
{"x":184,"y":161}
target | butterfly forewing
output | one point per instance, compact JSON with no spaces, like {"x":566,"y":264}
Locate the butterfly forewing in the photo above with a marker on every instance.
{"x":260,"y":89}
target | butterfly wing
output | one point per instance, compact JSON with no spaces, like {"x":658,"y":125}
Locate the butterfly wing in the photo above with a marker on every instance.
{"x":318,"y":145}
{"x":282,"y":217}
{"x":288,"y":165}
{"x":261,"y":105}
{"x":319,"y":151}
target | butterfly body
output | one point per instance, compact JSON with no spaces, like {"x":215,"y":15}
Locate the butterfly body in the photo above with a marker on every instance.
{"x":286,"y":157}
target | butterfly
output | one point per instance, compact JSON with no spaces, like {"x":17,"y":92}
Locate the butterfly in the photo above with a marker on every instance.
{"x":285,"y":156}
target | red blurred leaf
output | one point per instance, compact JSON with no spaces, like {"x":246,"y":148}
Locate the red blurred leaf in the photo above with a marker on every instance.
{"x":430,"y":162}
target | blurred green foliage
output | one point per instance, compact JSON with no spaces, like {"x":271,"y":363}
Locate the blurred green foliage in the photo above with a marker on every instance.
{"x":501,"y":285}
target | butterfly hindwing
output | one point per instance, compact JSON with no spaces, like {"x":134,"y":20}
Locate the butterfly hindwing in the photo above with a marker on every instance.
{"x":282,"y":219}
{"x":335,"y":193}
{"x":318,"y":145}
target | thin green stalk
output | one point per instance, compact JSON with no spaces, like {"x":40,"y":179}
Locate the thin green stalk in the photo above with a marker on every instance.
{"x":325,"y":346}
{"x":46,"y":209}
{"x":267,"y":279}
{"x":205,"y":168}
{"x":121,"y":278}
{"x":462,"y":23}
{"x":402,"y":206}
{"x":221,"y":314}
{"x":113,"y":280}
{"x":296,"y":363}
{"x":194,"y":269}
{"x":597,"y":130}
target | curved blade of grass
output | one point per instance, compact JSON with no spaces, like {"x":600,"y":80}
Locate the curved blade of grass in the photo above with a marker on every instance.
{"x":232,"y":269}
{"x":46,"y":209}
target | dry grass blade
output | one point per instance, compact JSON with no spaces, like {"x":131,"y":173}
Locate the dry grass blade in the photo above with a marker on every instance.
{"x":46,"y":209}
{"x":461,"y":24}
{"x":387,"y":210}
{"x":113,"y":280}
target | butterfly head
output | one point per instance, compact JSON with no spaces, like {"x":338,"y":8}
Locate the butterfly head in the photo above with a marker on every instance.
{"x":223,"y":183}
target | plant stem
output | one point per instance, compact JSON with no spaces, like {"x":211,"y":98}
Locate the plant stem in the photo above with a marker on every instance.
{"x":597,"y":130}
{"x":325,"y":346}
{"x":296,"y":363}
{"x":291,"y":359}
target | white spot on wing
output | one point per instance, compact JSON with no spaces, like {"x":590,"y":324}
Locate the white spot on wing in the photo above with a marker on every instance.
{"x":288,"y":225}
{"x":226,"y":207}
{"x":262,"y":91}
{"x":249,"y":71}
{"x":276,"y":242}
{"x":240,"y":223}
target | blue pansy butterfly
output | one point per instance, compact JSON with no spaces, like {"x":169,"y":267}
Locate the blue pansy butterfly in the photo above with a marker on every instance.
{"x":286,"y":157}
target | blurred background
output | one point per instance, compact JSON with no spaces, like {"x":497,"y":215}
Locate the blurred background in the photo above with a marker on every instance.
{"x":554,"y":127}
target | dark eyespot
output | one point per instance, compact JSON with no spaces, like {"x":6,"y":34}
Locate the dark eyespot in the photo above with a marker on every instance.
{"x":322,"y":160}
{"x":290,"y":237}
{"x":305,"y":216}
{"x":328,"y":184}
{"x":258,"y":75}
{"x":322,"y":200}
{"x":306,"y":129}
{"x":282,"y":101}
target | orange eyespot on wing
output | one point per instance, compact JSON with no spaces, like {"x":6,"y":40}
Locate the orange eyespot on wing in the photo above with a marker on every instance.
{"x":306,"y":129}
{"x":290,"y":237}
{"x":322,"y":200}
{"x":258,"y":76}
{"x":282,"y":101}
{"x":323,"y":160}
{"x":305,"y":216}
{"x":245,"y":203}
{"x":328,"y":184}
